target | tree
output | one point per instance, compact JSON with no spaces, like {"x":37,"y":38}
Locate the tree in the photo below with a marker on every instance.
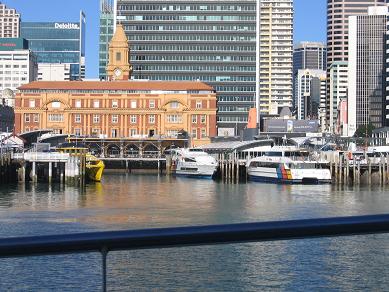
{"x":364,"y":131}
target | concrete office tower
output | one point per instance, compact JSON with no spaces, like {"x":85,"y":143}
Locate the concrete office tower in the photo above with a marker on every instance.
{"x":338,"y":12}
{"x":53,"y":72}
{"x":18,"y":67}
{"x":9,"y":22}
{"x":338,"y":84}
{"x":322,"y":84}
{"x":386,"y":79}
{"x":58,"y":42}
{"x":367,"y":65}
{"x":214,"y":41}
{"x":17,"y":64}
{"x":107,"y":22}
{"x":276,"y":55}
{"x":309,"y":55}
{"x":308,"y":93}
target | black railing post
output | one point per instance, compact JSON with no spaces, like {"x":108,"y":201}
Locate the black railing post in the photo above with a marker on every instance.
{"x":104,"y":253}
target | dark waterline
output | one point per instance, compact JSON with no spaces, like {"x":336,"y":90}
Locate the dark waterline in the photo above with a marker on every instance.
{"x":125,"y":201}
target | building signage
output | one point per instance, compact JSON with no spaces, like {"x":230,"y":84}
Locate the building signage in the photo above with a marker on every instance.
{"x":291,"y":126}
{"x":7,"y":45}
{"x":68,"y":25}
{"x":10,"y":44}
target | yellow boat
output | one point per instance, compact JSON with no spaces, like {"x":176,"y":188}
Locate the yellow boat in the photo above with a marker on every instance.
{"x":94,"y":167}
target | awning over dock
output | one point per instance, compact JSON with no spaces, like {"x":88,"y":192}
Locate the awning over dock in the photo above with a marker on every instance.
{"x":232,"y":146}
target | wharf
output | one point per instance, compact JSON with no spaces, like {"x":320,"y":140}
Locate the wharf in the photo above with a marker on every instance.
{"x":7,"y":169}
{"x":363,"y":170}
{"x":51,"y":167}
{"x":367,"y":170}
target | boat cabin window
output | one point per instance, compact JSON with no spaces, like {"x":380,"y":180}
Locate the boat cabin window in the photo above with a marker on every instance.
{"x":195,"y":150}
{"x":376,"y":154}
{"x":296,"y":154}
{"x":274,"y":153}
{"x":189,"y":159}
{"x":264,"y":164}
{"x":303,"y":166}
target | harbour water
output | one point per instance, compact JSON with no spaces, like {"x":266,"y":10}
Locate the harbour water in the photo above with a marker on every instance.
{"x":131,"y":201}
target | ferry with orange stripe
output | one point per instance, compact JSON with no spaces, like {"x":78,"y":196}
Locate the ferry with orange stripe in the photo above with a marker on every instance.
{"x":288,"y":165}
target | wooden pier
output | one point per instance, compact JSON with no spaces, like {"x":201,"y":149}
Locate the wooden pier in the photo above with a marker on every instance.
{"x":344,"y":170}
{"x":232,"y":167}
{"x":359,"y":171}
{"x":7,"y":169}
{"x":51,"y":167}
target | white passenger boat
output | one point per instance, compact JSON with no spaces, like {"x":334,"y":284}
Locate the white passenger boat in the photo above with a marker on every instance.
{"x":288,"y":165}
{"x":193,"y":162}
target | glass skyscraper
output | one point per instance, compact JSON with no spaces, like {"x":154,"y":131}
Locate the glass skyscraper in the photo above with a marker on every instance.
{"x":106,"y":33}
{"x":210,"y":41}
{"x":58,"y":42}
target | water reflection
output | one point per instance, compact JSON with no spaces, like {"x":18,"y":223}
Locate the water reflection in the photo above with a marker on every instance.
{"x":125,"y":201}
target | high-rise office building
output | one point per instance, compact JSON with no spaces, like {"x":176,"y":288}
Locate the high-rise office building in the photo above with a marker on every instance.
{"x":308,"y":93}
{"x":318,"y":86}
{"x":213,"y":41}
{"x":386,"y":79}
{"x":338,"y":84}
{"x":17,"y":64}
{"x":367,"y":66}
{"x":309,"y":55}
{"x":107,"y":22}
{"x":210,"y":41}
{"x":58,"y":42}
{"x":276,"y":55}
{"x":338,"y":12}
{"x":53,"y":72}
{"x":9,"y":22}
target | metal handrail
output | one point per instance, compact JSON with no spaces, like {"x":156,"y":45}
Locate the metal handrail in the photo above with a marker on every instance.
{"x":41,"y":156}
{"x":104,"y":242}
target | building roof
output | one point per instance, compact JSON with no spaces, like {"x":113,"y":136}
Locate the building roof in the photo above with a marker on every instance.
{"x":120,"y":35}
{"x":230,"y":146}
{"x":117,"y":85}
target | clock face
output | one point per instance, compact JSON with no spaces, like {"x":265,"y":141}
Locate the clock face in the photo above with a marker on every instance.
{"x":117,"y":72}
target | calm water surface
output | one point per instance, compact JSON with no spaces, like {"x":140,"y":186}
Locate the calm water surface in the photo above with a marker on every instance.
{"x":123,"y":201}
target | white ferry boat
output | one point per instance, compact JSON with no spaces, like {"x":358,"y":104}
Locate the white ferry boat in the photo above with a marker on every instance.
{"x":193,"y":162}
{"x":288,"y":165}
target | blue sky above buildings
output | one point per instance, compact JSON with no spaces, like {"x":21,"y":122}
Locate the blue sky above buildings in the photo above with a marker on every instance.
{"x":310,"y":21}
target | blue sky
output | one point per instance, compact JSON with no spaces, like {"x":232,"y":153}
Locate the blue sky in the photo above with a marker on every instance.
{"x":310,"y":20}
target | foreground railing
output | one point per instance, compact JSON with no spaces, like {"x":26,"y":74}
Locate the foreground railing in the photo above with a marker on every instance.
{"x":104,"y":242}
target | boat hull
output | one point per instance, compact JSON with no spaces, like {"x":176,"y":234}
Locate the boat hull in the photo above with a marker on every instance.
{"x":288,"y":181}
{"x":95,"y":172}
{"x":290,"y":176}
{"x":195,"y":170}
{"x":194,"y":175}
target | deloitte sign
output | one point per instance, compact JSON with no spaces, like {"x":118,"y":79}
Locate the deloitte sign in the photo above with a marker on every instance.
{"x":66,"y":25}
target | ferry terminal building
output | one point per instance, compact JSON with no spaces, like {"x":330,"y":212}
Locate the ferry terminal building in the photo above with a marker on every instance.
{"x":119,"y":107}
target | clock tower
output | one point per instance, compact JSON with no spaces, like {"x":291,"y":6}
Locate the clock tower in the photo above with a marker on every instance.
{"x":119,"y":67}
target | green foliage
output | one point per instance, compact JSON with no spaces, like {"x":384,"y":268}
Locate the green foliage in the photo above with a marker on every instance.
{"x":364,"y":131}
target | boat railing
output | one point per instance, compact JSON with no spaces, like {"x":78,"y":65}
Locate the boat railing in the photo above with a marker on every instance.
{"x":104,"y":242}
